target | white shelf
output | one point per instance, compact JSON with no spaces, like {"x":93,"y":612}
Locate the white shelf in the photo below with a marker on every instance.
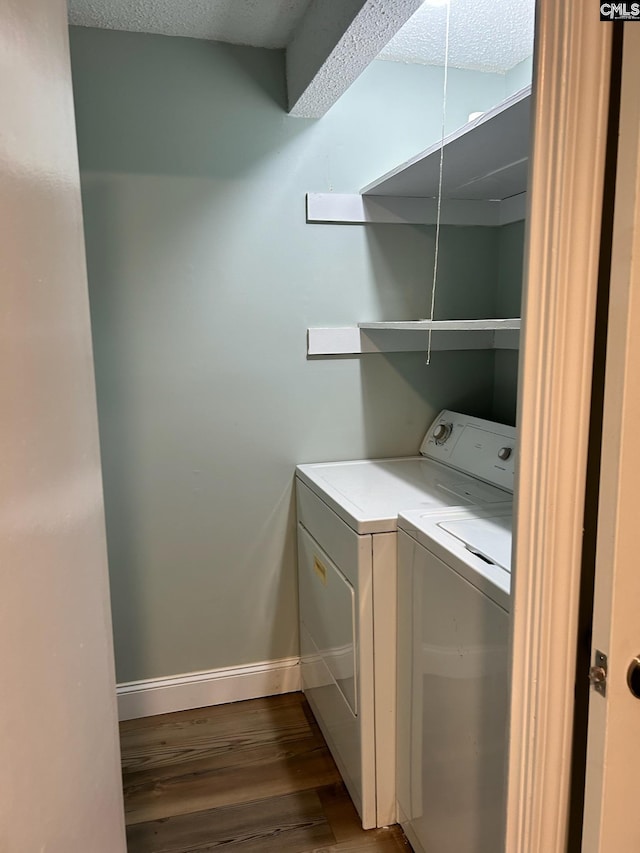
{"x":413,"y":336}
{"x":444,"y":325}
{"x":356,"y":209}
{"x":485,"y":168}
{"x":485,"y":159}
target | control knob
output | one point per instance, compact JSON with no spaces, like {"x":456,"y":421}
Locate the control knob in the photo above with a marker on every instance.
{"x":504,"y":453}
{"x":442,"y":432}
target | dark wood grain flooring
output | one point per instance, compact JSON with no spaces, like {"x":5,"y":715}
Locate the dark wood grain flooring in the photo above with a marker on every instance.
{"x":248,"y":777}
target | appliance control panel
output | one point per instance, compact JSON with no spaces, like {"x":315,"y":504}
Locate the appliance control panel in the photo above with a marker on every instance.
{"x":483,"y":449}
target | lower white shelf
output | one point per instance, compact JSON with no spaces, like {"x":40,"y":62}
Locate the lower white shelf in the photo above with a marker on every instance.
{"x":336,"y":208}
{"x":413,"y":336}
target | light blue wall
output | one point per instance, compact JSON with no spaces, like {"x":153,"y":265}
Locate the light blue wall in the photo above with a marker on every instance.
{"x":203,"y":280}
{"x":508,"y":304}
{"x":519,"y":76}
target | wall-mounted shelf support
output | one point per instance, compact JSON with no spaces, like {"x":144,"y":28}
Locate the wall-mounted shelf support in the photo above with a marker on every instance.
{"x":413,"y":336}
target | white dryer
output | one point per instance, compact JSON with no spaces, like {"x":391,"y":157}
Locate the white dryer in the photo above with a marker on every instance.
{"x":454,"y":582}
{"x":347,"y":521}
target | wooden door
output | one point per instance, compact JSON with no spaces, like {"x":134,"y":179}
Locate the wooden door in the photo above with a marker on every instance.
{"x":612,"y":816}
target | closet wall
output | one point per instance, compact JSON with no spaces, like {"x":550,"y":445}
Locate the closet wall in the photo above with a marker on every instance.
{"x":508,"y":304}
{"x":203,"y":279}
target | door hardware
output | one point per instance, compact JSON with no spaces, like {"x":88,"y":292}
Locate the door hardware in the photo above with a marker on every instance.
{"x":633,"y":676}
{"x":598,"y":673}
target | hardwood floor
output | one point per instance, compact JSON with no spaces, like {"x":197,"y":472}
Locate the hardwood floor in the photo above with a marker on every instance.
{"x":253,"y":776}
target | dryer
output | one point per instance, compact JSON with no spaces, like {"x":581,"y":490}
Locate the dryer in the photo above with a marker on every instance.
{"x":454,"y":582}
{"x":347,"y":522}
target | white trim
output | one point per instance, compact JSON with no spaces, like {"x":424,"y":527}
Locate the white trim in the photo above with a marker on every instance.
{"x":213,"y":687}
{"x":565,"y":190}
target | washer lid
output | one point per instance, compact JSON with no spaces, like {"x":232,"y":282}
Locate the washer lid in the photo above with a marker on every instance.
{"x":488,"y":538}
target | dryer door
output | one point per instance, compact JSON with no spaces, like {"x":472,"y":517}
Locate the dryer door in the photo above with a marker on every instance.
{"x":327,"y":615}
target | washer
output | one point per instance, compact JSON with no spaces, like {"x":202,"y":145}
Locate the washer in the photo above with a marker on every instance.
{"x":454,"y":583}
{"x":347,"y":522}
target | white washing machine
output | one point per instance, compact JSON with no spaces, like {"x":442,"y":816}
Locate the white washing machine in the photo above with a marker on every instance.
{"x":347,"y":557}
{"x":454,"y":582}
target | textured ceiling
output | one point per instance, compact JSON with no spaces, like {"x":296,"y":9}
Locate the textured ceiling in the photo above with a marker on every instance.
{"x":484,"y":35}
{"x":259,"y":23}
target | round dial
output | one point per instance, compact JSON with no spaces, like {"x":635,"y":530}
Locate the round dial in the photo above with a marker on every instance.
{"x":442,"y":432}
{"x":504,"y":453}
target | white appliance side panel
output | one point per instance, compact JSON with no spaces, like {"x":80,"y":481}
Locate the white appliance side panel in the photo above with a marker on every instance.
{"x":327,"y":610}
{"x":408,"y":695}
{"x":366,"y":682}
{"x":385,"y":651}
{"x":453,"y":774}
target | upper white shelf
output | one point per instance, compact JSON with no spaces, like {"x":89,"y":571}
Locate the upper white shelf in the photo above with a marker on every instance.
{"x":485,"y":159}
{"x":484,"y":178}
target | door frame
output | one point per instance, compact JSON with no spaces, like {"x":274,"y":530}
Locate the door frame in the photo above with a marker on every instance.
{"x":570,"y":104}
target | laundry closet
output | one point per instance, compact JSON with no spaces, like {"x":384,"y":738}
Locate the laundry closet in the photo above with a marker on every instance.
{"x":259,"y":285}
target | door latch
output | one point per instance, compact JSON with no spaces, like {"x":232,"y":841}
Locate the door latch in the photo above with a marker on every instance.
{"x":598,"y":673}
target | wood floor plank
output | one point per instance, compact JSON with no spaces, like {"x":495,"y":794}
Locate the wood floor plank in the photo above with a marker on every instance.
{"x":346,"y":826}
{"x":340,"y":812}
{"x":228,"y":780}
{"x":373,"y":841}
{"x":269,"y":704}
{"x":173,"y":738}
{"x":287,"y":824}
{"x":249,"y":777}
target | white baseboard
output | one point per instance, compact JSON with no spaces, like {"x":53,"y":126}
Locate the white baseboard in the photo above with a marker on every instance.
{"x":214,"y":687}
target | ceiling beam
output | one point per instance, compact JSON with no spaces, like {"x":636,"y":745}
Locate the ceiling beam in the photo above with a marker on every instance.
{"x":334,"y":43}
